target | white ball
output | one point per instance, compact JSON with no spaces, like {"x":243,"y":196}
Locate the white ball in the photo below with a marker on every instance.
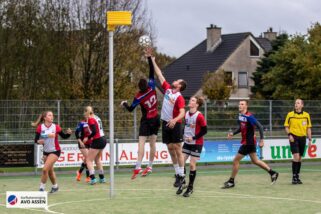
{"x":145,"y":41}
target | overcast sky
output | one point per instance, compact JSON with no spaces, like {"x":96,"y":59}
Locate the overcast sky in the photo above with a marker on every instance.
{"x":181,"y":24}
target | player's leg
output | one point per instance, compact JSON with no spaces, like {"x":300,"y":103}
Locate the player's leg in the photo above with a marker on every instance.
{"x":83,"y":164}
{"x":152,"y":145}
{"x":92,"y":153}
{"x":181,"y":163}
{"x":274,"y":175}
{"x":295,"y":150}
{"x":302,"y":145}
{"x":186,"y":153}
{"x":49,"y":162}
{"x":141,"y":150}
{"x":192,"y":176}
{"x":100,"y":167}
{"x":236,"y":165}
{"x":53,"y":179}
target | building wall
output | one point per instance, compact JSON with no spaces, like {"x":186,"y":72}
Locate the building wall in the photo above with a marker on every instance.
{"x":241,"y":60}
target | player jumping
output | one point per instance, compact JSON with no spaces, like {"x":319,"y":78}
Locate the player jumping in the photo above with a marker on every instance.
{"x":149,"y":123}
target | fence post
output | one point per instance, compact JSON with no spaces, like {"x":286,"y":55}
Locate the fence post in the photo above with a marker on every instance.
{"x":270,"y":119}
{"x":205,"y":110}
{"x":135,"y":124}
{"x":58,"y":111}
{"x":117,"y":162}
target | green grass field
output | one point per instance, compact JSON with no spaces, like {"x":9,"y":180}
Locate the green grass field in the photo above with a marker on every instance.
{"x":155,"y":194}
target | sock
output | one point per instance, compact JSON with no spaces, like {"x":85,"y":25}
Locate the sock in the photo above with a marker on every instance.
{"x":87,"y":173}
{"x":101,"y":174}
{"x":92,"y":174}
{"x":55,"y":186}
{"x":231,"y":180}
{"x":82,"y":167}
{"x":42,"y":186}
{"x":192,"y":176}
{"x":184,"y":170}
{"x":271,"y":172}
{"x":299,"y":168}
{"x":294,"y":169}
{"x":138,"y":165}
{"x":150,"y":164}
{"x":181,"y":171}
{"x":176,"y":167}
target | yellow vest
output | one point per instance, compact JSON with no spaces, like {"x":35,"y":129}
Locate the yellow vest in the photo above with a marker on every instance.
{"x":298,"y":123}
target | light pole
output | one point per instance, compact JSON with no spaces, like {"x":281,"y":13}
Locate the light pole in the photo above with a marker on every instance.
{"x":114,"y":18}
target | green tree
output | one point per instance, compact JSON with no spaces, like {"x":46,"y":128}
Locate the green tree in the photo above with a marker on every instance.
{"x":297,"y":70}
{"x":264,"y":66}
{"x":216,"y":87}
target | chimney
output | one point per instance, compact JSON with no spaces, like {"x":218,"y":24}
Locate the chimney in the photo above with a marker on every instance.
{"x":270,"y":35}
{"x":213,"y":37}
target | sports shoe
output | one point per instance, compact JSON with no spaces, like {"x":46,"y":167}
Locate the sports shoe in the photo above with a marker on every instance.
{"x":188,"y":192}
{"x":41,"y":189}
{"x":177,"y":182}
{"x":78,"y":176}
{"x":274,"y":177}
{"x":294,"y":180}
{"x":147,"y":171}
{"x":53,"y":189}
{"x":136,"y":172}
{"x":299,"y":181}
{"x":87,"y":179}
{"x":102,"y":180}
{"x":228,"y":184}
{"x":181,"y":188}
{"x":93,"y":181}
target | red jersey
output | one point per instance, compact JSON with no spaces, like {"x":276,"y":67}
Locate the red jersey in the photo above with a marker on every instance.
{"x":96,"y":121}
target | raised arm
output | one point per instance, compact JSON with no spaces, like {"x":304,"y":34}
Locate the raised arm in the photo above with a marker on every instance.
{"x":151,"y":79}
{"x":158,"y":72}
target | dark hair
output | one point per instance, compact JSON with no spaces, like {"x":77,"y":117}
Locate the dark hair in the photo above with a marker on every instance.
{"x":246,"y":101}
{"x":183,"y":85}
{"x":199,"y":100}
{"x":142,"y":85}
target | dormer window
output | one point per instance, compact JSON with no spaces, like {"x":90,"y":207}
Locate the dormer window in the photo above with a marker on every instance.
{"x":254,"y":50}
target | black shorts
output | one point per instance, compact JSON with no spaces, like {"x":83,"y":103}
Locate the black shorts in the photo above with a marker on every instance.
{"x":57,"y":153}
{"x":149,"y":127}
{"x":87,"y":146}
{"x":247,"y":149}
{"x":99,"y":143}
{"x":192,"y":150}
{"x":174,"y":135}
{"x":298,"y":146}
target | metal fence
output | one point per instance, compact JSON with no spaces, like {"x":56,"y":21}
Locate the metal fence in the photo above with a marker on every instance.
{"x":16,"y":117}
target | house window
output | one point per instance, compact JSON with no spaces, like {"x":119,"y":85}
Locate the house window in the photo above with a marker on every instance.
{"x":242,"y":79}
{"x":228,"y":78}
{"x":254,"y":50}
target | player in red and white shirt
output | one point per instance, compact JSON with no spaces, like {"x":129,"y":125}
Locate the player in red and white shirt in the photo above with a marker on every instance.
{"x":96,"y":147}
{"x":171,"y":115}
{"x":47,"y":135}
{"x":149,"y":123}
{"x":194,"y":131}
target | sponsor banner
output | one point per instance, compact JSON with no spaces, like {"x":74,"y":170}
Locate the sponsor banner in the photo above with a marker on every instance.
{"x":127,"y":155}
{"x":17,"y":155}
{"x":29,"y":199}
{"x":279,"y":149}
{"x":222,"y":151}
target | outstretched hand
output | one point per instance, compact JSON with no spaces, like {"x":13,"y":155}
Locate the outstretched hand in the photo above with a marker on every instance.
{"x":148,"y":51}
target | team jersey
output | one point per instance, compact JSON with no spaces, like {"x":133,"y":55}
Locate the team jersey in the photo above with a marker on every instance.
{"x":193,"y":124}
{"x":50,"y":144}
{"x":83,"y":131}
{"x":148,"y":99}
{"x":247,"y":123}
{"x":96,"y":121}
{"x":298,"y":123}
{"x":172,"y":103}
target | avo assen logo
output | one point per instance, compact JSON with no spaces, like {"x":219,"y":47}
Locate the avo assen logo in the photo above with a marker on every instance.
{"x":284,"y":152}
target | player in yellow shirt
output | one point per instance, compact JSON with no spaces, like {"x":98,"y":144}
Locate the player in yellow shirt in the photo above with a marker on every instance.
{"x":298,"y":127}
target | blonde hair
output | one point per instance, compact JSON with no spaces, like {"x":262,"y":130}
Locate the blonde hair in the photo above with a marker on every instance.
{"x":89,"y":109}
{"x":40,"y":119}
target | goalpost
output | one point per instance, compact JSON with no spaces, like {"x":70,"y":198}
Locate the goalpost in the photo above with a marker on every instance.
{"x":114,"y":18}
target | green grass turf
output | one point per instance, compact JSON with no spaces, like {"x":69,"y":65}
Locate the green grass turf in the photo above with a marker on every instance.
{"x":155,"y":193}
